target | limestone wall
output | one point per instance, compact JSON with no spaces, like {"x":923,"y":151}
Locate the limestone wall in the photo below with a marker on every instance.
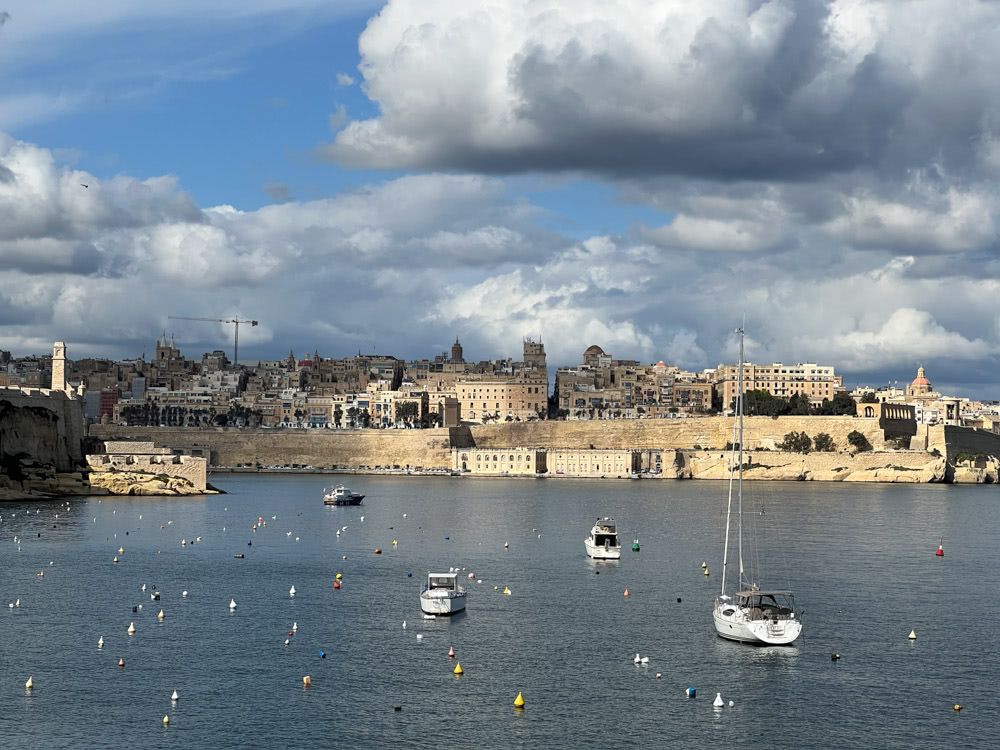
{"x":190,"y":468}
{"x":872,"y":466}
{"x":319,"y":448}
{"x":46,"y":425}
{"x":670,"y":434}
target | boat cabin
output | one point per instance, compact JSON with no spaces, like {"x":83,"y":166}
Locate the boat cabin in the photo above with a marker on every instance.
{"x":605,"y":533}
{"x":442,"y":582}
{"x":761,"y":605}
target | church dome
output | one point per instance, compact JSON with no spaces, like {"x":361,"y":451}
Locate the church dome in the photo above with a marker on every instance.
{"x":593,"y":351}
{"x":921,"y":379}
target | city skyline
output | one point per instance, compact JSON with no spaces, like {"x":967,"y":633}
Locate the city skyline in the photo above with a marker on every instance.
{"x":401,"y":173}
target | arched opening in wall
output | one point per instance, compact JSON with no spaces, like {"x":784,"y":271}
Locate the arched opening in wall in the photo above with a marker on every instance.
{"x":869,"y":411}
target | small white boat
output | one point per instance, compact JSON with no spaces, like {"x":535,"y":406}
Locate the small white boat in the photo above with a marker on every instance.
{"x":602,"y":544}
{"x":342,"y":496}
{"x":442,"y":595}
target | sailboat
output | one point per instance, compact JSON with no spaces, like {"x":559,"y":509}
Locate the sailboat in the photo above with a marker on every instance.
{"x":752,"y":614}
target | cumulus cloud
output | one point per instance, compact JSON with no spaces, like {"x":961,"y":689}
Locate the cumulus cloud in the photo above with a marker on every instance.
{"x":718,"y":89}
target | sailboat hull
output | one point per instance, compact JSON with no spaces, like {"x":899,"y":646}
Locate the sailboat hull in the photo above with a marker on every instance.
{"x":733,"y":623}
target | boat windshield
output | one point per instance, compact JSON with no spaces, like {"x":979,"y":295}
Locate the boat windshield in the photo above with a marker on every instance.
{"x":441,"y":582}
{"x":767,"y":603}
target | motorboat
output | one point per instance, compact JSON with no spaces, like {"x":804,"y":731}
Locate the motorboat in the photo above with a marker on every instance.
{"x":341,"y":495}
{"x":602,"y":544}
{"x":442,"y":595}
{"x":752,"y":614}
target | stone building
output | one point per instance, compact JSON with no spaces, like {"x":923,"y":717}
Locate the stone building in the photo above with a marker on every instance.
{"x":818,"y":382}
{"x":499,"y":462}
{"x":593,"y":463}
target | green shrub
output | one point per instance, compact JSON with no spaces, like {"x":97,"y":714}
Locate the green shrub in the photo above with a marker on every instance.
{"x":859,"y":441}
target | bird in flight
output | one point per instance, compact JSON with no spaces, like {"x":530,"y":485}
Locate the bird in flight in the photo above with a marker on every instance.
{"x":82,"y":185}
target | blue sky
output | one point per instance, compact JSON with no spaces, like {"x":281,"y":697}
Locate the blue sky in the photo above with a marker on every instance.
{"x":638,"y":176}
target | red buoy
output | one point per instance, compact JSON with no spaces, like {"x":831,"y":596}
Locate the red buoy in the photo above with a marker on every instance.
{"x":336,"y":584}
{"x":940,"y":550}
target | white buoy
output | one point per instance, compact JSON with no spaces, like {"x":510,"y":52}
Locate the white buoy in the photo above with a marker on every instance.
{"x":232,"y":604}
{"x":174,"y":697}
{"x":143,"y":587}
{"x":160,"y":615}
{"x":287,"y":641}
{"x":644,"y":660}
{"x":166,"y":720}
{"x":17,"y":602}
{"x":913,"y":635}
{"x":404,"y":624}
{"x":295,"y":627}
{"x":29,"y":684}
{"x":291,"y":591}
{"x":731,"y":704}
{"x":184,"y":593}
{"x":636,"y":660}
{"x":420,"y":636}
{"x":718,"y":701}
{"x":100,"y":642}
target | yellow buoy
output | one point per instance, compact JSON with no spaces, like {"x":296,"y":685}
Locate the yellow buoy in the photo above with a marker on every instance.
{"x":506,"y":591}
{"x":29,"y":684}
{"x":957,"y":707}
{"x":913,"y":635}
{"x":166,"y":720}
{"x":706,"y":572}
{"x":458,"y":669}
{"x":307,"y":681}
{"x":519,"y":701}
{"x":339,"y":576}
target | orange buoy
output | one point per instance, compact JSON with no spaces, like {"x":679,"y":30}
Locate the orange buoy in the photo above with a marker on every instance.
{"x":336,"y":584}
{"x":626,"y":593}
{"x":451,"y":652}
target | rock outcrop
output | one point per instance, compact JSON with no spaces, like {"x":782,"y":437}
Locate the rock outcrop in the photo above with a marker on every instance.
{"x":141,"y":483}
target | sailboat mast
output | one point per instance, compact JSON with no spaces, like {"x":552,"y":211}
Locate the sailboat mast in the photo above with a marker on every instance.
{"x":737,"y":441}
{"x":740,"y":480}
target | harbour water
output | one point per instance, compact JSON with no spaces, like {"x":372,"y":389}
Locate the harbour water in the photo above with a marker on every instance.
{"x":859,"y":557}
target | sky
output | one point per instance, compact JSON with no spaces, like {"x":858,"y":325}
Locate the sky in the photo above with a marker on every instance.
{"x":368,"y":176}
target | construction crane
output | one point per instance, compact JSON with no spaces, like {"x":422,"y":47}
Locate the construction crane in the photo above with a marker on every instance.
{"x":236,"y":330}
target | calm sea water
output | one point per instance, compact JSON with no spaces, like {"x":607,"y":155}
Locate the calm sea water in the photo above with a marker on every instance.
{"x":859,"y":557}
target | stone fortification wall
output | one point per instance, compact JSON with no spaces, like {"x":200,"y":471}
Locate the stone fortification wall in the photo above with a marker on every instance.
{"x":873,"y":466}
{"x":192,"y":469}
{"x":671,"y":434}
{"x":47,"y":426}
{"x":320,"y":448}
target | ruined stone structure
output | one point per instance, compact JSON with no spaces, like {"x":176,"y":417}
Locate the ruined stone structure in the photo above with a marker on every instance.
{"x":189,"y":474}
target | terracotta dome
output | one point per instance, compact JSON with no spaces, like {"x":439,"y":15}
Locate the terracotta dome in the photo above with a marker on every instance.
{"x":921,"y":379}
{"x":593,"y":351}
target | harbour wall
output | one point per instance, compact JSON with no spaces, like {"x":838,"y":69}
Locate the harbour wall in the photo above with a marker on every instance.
{"x":673,"y":439}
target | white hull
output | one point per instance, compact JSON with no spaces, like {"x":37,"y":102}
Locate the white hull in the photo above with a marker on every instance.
{"x":602,"y":552}
{"x":737,"y":626}
{"x":442,"y":605}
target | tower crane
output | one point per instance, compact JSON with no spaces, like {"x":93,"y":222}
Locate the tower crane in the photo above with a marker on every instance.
{"x":236,"y":330}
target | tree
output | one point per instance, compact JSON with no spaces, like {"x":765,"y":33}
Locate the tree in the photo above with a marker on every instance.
{"x":407,"y":412}
{"x":841,"y":405}
{"x":352,"y":416}
{"x":797,"y":442}
{"x":859,"y":441}
{"x":799,"y":404}
{"x":824,"y":443}
{"x":869,"y":398}
{"x":338,"y":416}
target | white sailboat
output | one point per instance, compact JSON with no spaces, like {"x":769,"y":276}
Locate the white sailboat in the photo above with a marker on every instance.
{"x":751,"y":614}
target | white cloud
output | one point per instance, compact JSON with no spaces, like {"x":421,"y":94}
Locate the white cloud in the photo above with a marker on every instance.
{"x":343,"y":79}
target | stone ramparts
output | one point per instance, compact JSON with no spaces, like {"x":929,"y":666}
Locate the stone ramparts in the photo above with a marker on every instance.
{"x":319,"y":448}
{"x":671,"y":434}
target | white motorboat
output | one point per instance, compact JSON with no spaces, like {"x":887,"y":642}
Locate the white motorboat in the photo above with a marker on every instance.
{"x":442,"y":595}
{"x":342,"y":496}
{"x":751,"y":614}
{"x":602,"y":544}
